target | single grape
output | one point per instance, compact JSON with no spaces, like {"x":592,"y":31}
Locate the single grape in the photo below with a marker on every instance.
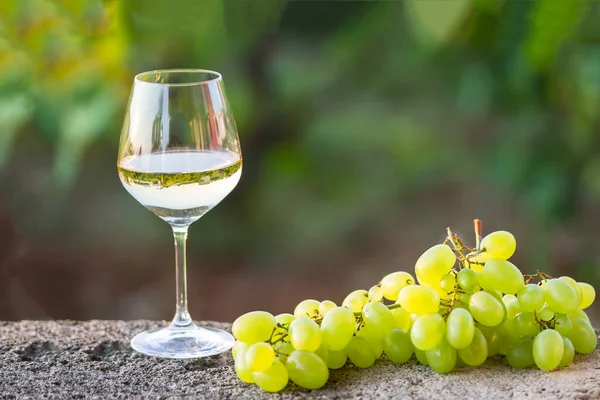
{"x":513,"y":308}
{"x":500,"y":275}
{"x":548,"y":349}
{"x":434,"y":263}
{"x":545,"y":313}
{"x":285,"y":319}
{"x":241,"y":369}
{"x":419,"y":299}
{"x":508,"y":297}
{"x":578,"y":313}
{"x":379,"y":317}
{"x":337,"y":359}
{"x":237,"y":346}
{"x":259,"y":357}
{"x":525,"y":324}
{"x":391,"y":284}
{"x":360,"y":353}
{"x":375,"y":294}
{"x":337,"y":328}
{"x":283,"y":350}
{"x":560,"y":296}
{"x":373,"y":337}
{"x":588,"y":294}
{"x":283,"y":323}
{"x":460,"y":328}
{"x":421,"y":356}
{"x":486,"y":309}
{"x":568,"y":354}
{"x":467,"y":280}
{"x":323,"y":353}
{"x":402,"y":319}
{"x":305,"y":334}
{"x":307,"y":308}
{"x":464,"y":298}
{"x":307,"y":370}
{"x":428,"y":331}
{"x":573,"y":283}
{"x":272,"y":380}
{"x":353,"y":305}
{"x":442,"y":359}
{"x":563,"y":324}
{"x":356,"y":300}
{"x":477,"y":351}
{"x":531,"y":297}
{"x":492,"y":337}
{"x":499,"y":244}
{"x":509,"y":335}
{"x":326,"y":306}
{"x":253,"y":327}
{"x":398,"y":347}
{"x":448,"y":282}
{"x":583,"y":336}
{"x":520,"y":354}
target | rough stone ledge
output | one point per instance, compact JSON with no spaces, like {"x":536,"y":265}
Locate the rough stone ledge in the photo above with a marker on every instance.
{"x":92,"y":359}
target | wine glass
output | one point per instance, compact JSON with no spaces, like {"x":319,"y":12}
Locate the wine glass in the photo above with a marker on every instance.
{"x":179,"y":156}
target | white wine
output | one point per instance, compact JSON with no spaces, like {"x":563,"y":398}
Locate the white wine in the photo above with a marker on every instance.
{"x":180,"y":187}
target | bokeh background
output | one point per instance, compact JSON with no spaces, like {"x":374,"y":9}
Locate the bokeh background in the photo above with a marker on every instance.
{"x":366,"y":127}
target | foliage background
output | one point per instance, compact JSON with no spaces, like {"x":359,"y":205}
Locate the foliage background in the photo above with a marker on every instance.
{"x":367,"y":128}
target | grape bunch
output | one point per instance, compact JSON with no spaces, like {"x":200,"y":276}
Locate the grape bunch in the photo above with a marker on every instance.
{"x":470,"y":303}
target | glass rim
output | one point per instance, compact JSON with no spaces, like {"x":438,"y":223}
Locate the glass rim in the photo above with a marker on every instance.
{"x":216,"y":76}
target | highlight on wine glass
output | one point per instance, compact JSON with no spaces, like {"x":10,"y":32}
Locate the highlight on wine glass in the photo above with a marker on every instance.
{"x":179,"y":156}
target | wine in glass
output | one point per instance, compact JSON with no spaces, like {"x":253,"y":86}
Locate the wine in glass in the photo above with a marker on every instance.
{"x":179,"y":156}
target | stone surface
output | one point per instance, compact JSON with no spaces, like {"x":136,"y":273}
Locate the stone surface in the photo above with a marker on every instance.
{"x":69,"y":359}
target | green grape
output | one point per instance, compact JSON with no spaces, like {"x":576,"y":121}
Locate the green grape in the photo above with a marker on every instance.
{"x":460,"y":328}
{"x":307,"y":370}
{"x":379,"y":317}
{"x":560,"y":296}
{"x":477,"y":351}
{"x":326,"y":306}
{"x":283,"y":350}
{"x":501,"y":275}
{"x":259,"y":357}
{"x":272,"y":380}
{"x":520,"y":354}
{"x":568,"y":354}
{"x":434,"y":263}
{"x":548,"y":349}
{"x":375,"y":294}
{"x":283,"y":323}
{"x":583,"y":336}
{"x":353,"y":305}
{"x":493,"y":339}
{"x":499,"y":244}
{"x":509,"y":335}
{"x":428,"y":331}
{"x":563,"y":324}
{"x":391,"y":284}
{"x":237,"y":346}
{"x":356,"y":300}
{"x":305,"y":334}
{"x":241,"y":369}
{"x":337,"y":359}
{"x":448,"y":282}
{"x":588,"y":294}
{"x":486,"y":309}
{"x":525,"y":324}
{"x":253,"y":327}
{"x":373,"y":337}
{"x":578,"y":313}
{"x":442,"y":359}
{"x":512,"y":309}
{"x":573,"y":283}
{"x":323,"y":353}
{"x":467,"y":280}
{"x":398,"y":347}
{"x":465,"y":299}
{"x":508,"y":297}
{"x":421,"y":356}
{"x":337,"y":328}
{"x":307,"y":308}
{"x":545,"y":313}
{"x":402,"y":319}
{"x":531,"y":297}
{"x":419,"y":299}
{"x":360,"y":353}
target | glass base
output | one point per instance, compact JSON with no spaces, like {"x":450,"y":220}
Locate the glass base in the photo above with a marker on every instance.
{"x":190,"y":341}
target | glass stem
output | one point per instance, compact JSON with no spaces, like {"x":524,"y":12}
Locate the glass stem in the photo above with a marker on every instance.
{"x":182,"y":316}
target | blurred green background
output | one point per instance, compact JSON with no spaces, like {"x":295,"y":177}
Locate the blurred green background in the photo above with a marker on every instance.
{"x":366,"y":127}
